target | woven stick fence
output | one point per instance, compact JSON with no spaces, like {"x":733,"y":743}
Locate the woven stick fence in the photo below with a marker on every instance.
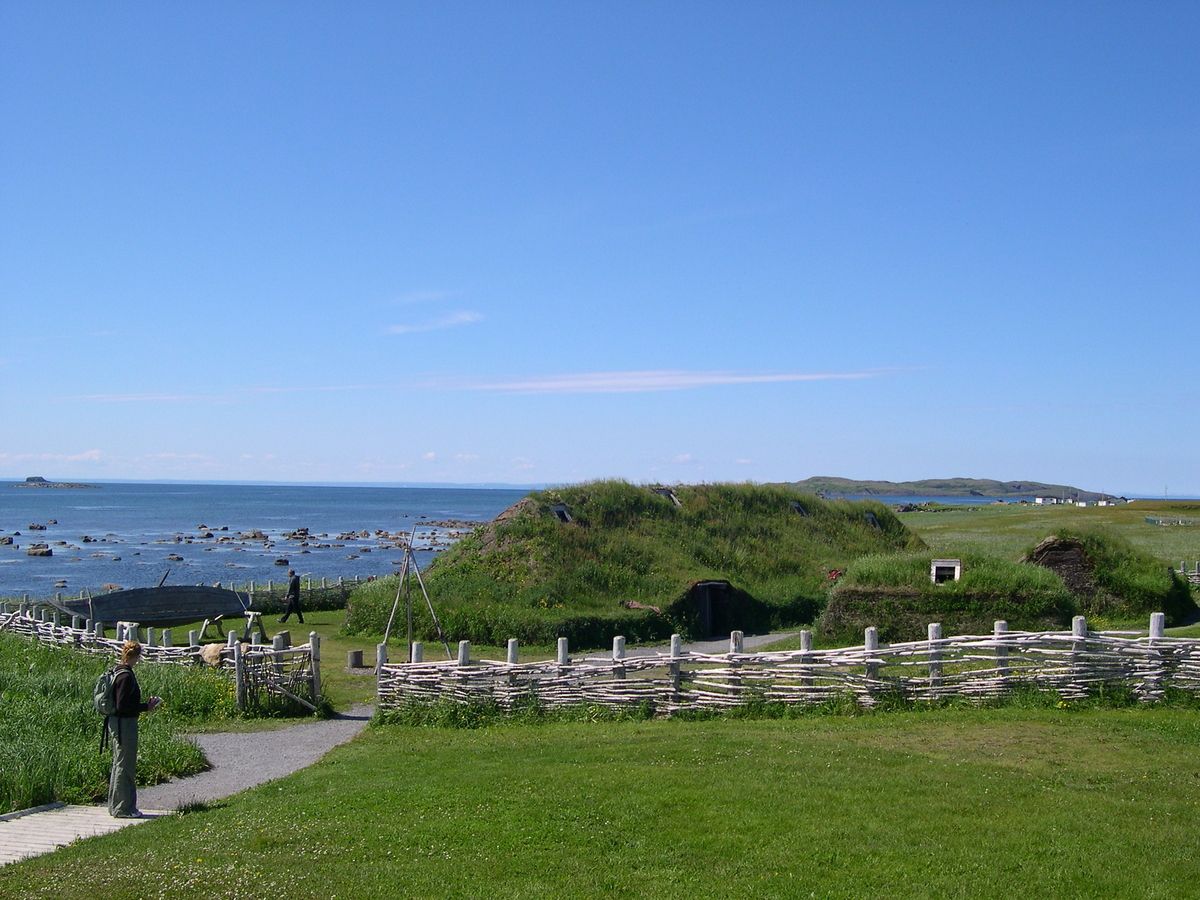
{"x":258,"y":670}
{"x":1073,"y":663}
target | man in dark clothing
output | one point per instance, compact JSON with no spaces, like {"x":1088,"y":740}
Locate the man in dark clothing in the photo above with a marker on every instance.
{"x":123,"y":734}
{"x":293,"y":598}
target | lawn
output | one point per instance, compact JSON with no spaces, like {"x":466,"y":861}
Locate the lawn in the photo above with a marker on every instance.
{"x":951,"y":802}
{"x":1008,"y":531}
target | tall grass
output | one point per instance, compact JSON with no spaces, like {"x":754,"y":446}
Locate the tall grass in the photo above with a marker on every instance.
{"x":49,"y":733}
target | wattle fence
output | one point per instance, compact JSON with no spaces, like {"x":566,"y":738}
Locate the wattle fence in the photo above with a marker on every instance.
{"x":1073,"y":663}
{"x":259,"y":671}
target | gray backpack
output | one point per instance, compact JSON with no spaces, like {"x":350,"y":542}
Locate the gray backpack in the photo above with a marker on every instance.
{"x":102,"y":694}
{"x":104,"y":701}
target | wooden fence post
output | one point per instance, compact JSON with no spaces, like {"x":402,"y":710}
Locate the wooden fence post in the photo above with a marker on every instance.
{"x":1079,"y":631}
{"x":277,"y":643}
{"x":464,"y":653}
{"x":193,"y":638}
{"x":416,"y":653}
{"x":675,"y":668}
{"x":239,"y":674}
{"x":806,"y":680}
{"x":736,"y":646}
{"x":380,"y":662}
{"x":935,"y":656}
{"x":514,"y":651}
{"x":1158,"y":656}
{"x":314,"y":641}
{"x":564,"y":652}
{"x":999,"y":633}
{"x":870,"y":648}
{"x":618,"y":656}
{"x":166,"y":637}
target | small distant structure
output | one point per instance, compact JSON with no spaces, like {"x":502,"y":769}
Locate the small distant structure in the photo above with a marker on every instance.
{"x":563,"y":513}
{"x":799,"y":509}
{"x":943,"y":570}
{"x":1083,"y":503}
{"x":668,"y":493}
{"x":1046,"y":501}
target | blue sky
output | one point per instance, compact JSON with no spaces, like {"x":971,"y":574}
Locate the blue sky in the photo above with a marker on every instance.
{"x":543,"y":242}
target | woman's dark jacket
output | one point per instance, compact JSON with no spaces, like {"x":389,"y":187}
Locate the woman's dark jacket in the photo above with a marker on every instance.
{"x":127,"y":696}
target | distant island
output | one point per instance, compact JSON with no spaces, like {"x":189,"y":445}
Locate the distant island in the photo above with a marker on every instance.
{"x":945,"y":487}
{"x":37,"y":481}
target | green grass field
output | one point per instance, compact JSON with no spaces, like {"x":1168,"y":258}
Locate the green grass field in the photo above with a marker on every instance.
{"x":1007,"y":531}
{"x":944,"y":803}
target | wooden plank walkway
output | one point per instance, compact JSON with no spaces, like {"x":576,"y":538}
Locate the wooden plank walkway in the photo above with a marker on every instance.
{"x":32,"y":832}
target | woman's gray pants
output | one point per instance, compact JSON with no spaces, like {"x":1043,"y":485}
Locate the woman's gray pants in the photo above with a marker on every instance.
{"x":122,"y":783}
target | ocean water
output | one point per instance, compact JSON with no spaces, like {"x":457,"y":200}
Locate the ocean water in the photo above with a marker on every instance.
{"x":135,"y":527}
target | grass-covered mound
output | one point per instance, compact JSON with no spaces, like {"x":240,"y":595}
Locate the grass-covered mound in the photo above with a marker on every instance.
{"x":50,"y":734}
{"x":1090,"y":573}
{"x":1113,"y":580}
{"x":533,"y":576}
{"x":894,"y":594}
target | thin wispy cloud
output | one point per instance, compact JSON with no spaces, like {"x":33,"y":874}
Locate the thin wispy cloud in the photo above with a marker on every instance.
{"x":451,"y":320}
{"x":633,"y":382}
{"x":648,"y":381}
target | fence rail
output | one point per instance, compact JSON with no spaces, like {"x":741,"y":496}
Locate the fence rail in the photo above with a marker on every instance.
{"x":1073,"y":663}
{"x":258,"y":670}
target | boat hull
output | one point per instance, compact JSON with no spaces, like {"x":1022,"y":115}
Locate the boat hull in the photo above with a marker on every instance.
{"x":160,"y":607}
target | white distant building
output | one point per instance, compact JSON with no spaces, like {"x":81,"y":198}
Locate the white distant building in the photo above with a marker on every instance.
{"x":1045,"y":501}
{"x":1081,"y":503}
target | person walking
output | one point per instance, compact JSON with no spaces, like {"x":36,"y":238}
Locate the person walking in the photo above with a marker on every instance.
{"x":293,"y":598}
{"x":123,"y":733}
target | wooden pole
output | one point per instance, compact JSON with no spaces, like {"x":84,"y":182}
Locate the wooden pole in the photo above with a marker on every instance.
{"x":380,"y":662}
{"x":871,"y":647}
{"x":239,"y":674}
{"x":999,"y":634}
{"x":805,"y":649}
{"x":935,"y":656}
{"x":314,"y":641}
{"x":618,"y":655}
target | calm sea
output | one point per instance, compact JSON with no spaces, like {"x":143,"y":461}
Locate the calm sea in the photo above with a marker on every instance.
{"x":135,"y":526}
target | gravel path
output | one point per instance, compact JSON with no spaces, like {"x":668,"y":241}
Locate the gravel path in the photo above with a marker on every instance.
{"x":241,"y":760}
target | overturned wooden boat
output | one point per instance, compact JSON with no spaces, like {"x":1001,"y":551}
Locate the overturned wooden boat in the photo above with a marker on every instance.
{"x":160,"y":607}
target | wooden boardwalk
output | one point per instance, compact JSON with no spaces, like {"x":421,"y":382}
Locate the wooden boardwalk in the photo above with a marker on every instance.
{"x":32,"y":832}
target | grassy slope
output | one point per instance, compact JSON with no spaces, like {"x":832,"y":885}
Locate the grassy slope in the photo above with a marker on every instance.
{"x":936,"y":803}
{"x":628,"y":543}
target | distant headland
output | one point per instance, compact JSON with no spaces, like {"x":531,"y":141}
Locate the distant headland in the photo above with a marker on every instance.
{"x":945,"y":487}
{"x":37,"y":481}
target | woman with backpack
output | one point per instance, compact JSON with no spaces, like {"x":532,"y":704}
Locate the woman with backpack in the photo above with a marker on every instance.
{"x":123,"y":733}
